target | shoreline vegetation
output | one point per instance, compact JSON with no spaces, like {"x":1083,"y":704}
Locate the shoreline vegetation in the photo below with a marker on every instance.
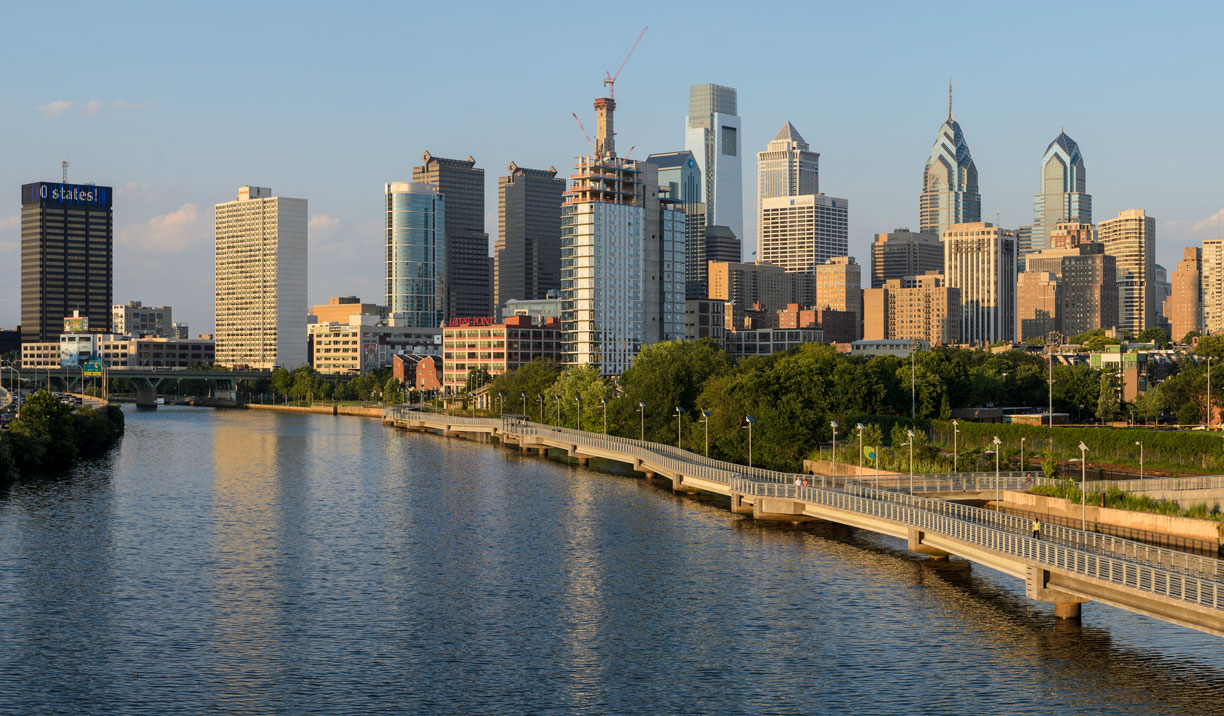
{"x":50,"y":436}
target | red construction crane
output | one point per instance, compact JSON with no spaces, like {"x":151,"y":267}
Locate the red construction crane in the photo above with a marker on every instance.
{"x":609,"y":78}
{"x":584,"y":132}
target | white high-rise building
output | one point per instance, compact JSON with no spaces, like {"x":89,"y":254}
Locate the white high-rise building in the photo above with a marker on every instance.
{"x":1130,"y":238}
{"x":713,"y":136}
{"x":260,"y":302}
{"x":980,"y":260}
{"x":1212,"y":281}
{"x":800,"y":233}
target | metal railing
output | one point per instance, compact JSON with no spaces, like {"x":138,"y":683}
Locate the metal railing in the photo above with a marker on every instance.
{"x":1174,"y":574}
{"x":1156,"y":580}
{"x":1202,"y":482}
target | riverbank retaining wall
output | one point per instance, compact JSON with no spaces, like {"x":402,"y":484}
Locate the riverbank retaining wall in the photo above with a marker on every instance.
{"x":1188,"y":527}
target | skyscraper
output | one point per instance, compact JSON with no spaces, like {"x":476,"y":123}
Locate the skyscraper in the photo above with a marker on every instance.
{"x":67,"y":257}
{"x":260,"y":262}
{"x":622,"y":258}
{"x":980,"y":260}
{"x":1038,"y":304}
{"x":787,"y":167}
{"x":415,"y":254}
{"x":902,"y":253}
{"x":713,"y":136}
{"x":839,"y":285}
{"x":527,"y":256}
{"x":949,"y":181}
{"x":800,"y":233}
{"x":1185,"y":311}
{"x":469,"y":281}
{"x":1062,"y":197}
{"x":1213,"y":286}
{"x":680,"y":176}
{"x":1089,"y":288}
{"x":1131,"y":239}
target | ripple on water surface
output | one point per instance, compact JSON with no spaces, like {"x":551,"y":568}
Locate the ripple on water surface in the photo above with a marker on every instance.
{"x":253,"y":563}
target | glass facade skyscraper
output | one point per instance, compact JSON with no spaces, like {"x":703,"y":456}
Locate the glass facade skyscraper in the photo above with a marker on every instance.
{"x":712,"y":134}
{"x":680,"y":176}
{"x":787,"y":167}
{"x":415,"y":254}
{"x":949,"y":181}
{"x":1062,"y":197}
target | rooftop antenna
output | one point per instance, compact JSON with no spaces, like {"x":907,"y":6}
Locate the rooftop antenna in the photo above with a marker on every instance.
{"x":64,"y":166}
{"x":950,"y":117}
{"x":609,"y":78}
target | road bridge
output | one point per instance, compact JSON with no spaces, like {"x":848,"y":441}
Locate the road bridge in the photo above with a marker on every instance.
{"x":148,"y":379}
{"x":1067,"y":567}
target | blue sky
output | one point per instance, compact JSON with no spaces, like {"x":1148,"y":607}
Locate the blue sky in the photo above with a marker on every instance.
{"x":178,"y":107}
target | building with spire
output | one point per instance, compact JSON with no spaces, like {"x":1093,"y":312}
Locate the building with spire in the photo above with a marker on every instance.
{"x":1062,"y":196}
{"x":622,"y":257}
{"x":712,"y":134}
{"x":949,"y":181}
{"x":787,"y":167}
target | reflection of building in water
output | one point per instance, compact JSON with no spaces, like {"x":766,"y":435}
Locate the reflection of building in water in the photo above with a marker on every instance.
{"x":248,"y":523}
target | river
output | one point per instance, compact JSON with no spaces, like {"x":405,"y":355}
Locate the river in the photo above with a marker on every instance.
{"x":239,"y":562}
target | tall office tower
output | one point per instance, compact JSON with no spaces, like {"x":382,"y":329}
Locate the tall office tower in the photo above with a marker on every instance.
{"x":415,"y":269}
{"x":949,"y":181}
{"x":1062,"y":198}
{"x":622,"y":258}
{"x":680,"y":177}
{"x":800,"y":233}
{"x":1213,"y":286}
{"x":903,"y":253}
{"x":1131,"y":240}
{"x":1038,"y":304}
{"x":67,"y":257}
{"x":759,"y":285}
{"x":980,"y":260}
{"x":929,"y":311}
{"x":1069,"y":234}
{"x":260,"y":259}
{"x":469,"y":281}
{"x":787,"y":167}
{"x":839,"y":285}
{"x":1185,"y":304}
{"x":718,"y":244}
{"x":1024,"y":244}
{"x":527,"y":255}
{"x":1089,"y":289}
{"x":713,"y":136}
{"x":1164,"y":289}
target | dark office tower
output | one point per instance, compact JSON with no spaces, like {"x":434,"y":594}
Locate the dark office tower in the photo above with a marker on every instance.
{"x":718,"y":244}
{"x":680,"y":181}
{"x":468,"y":285}
{"x":67,"y":257}
{"x":527,"y":255}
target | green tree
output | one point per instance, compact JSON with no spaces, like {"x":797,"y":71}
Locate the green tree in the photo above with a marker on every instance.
{"x":476,"y":378}
{"x":1108,"y":406}
{"x":393,"y":392}
{"x":530,"y":380}
{"x":45,"y":433}
{"x":1189,"y":337}
{"x":1211,"y":347}
{"x":581,"y":382}
{"x":663,"y":376}
{"x":281,"y":382}
{"x":1155,"y":335}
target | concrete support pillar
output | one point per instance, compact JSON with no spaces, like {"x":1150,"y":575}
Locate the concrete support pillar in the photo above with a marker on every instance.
{"x":649,"y":475}
{"x":738,"y":506}
{"x":1067,"y":610}
{"x":583,"y":461}
{"x":146,"y":395}
{"x":543,"y":451}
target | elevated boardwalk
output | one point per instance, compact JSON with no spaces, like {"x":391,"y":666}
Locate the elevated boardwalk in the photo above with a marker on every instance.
{"x":1066,"y":567}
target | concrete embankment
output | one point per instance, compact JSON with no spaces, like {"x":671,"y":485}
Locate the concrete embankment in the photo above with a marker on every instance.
{"x":1209,"y":531}
{"x":360,"y":411}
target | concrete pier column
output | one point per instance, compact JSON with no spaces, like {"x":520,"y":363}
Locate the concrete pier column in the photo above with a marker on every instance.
{"x":146,"y":395}
{"x":583,"y":461}
{"x":649,"y":475}
{"x":738,"y":506}
{"x":1067,"y":610}
{"x":543,"y":452}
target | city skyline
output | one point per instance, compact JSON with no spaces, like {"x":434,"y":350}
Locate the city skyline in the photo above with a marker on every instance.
{"x":169,"y":135}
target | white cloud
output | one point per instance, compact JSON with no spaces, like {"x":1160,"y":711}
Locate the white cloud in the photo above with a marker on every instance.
{"x":56,"y":108}
{"x":91,"y":107}
{"x":322,"y":226}
{"x":169,"y":233}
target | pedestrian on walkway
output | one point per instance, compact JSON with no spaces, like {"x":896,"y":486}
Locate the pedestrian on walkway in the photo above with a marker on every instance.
{"x":1036,"y":528}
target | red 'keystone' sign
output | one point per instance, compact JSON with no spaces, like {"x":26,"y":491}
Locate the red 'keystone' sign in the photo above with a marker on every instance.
{"x":471,"y":321}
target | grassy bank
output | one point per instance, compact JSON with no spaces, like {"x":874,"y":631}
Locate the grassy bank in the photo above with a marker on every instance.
{"x":50,"y":436}
{"x":1119,"y":500}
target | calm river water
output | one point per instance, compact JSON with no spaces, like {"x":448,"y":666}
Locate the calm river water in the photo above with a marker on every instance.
{"x":238,"y":562}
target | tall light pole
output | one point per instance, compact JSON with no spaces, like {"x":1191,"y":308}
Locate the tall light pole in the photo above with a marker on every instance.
{"x":1022,"y":455}
{"x":524,"y":394}
{"x":541,"y":395}
{"x":604,"y":401}
{"x":859,"y":426}
{"x":579,"y":399}
{"x":705,"y":418}
{"x":558,"y":399}
{"x":1083,"y":488}
{"x":1140,"y":444}
{"x":749,"y":420}
{"x":833,"y":424}
{"x":1050,"y":341}
{"x":1208,"y":392}
{"x":642,"y":415}
{"x":998,"y":492}
{"x":910,"y":442}
{"x":679,"y":422}
{"x":501,"y":396}
{"x":955,"y":432}
{"x":913,"y":382}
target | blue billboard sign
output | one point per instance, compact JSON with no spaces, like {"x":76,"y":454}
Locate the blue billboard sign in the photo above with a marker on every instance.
{"x":56,"y":193}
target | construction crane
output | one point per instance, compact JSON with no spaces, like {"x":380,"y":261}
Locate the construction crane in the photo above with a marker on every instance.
{"x":609,"y":78}
{"x":584,"y":132}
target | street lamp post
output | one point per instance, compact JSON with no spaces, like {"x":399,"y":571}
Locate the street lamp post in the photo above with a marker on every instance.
{"x":501,"y":395}
{"x":833,"y":424}
{"x":749,"y":420}
{"x":524,"y":394}
{"x":910,"y":442}
{"x":859,"y":427}
{"x":705,"y":418}
{"x":604,"y":401}
{"x":913,"y":382}
{"x":1084,"y":488}
{"x":558,"y":399}
{"x":541,"y":396}
{"x":579,"y":399}
{"x":679,"y":422}
{"x":998,"y":492}
{"x":955,"y":432}
{"x":1208,"y":393}
{"x":642,"y":415}
{"x":1022,"y":455}
{"x":1140,"y":444}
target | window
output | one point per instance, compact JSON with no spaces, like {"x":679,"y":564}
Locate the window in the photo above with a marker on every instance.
{"x":729,"y":141}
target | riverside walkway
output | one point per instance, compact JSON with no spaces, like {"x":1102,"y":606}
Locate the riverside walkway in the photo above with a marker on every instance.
{"x":1067,"y":567}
